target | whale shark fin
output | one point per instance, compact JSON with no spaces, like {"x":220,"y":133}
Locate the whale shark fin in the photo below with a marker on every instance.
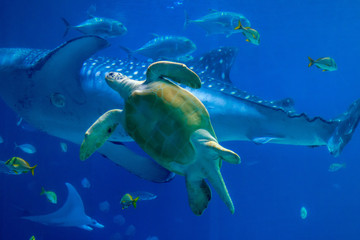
{"x":343,"y":132}
{"x":65,"y":62}
{"x":216,"y":63}
{"x":141,"y":166}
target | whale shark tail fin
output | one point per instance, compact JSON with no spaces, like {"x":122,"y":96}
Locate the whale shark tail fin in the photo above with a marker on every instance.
{"x":343,"y":132}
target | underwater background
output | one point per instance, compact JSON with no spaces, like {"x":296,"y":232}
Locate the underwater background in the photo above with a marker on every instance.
{"x":272,"y":183}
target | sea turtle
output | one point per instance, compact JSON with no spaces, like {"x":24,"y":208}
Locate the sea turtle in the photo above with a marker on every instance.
{"x":171,"y":125}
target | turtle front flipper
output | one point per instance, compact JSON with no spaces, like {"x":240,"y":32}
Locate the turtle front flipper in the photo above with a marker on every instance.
{"x":99,"y":132}
{"x":177,"y":72}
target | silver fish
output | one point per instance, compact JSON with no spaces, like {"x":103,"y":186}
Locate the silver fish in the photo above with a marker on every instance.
{"x":27,"y":148}
{"x":103,"y":27}
{"x":173,"y":48}
{"x":85,"y":183}
{"x":63,"y":147}
{"x":219,"y":22}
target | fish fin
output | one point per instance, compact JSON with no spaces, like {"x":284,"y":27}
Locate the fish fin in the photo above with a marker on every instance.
{"x":67,"y":25}
{"x":154,"y":35}
{"x":129,"y":52}
{"x":63,"y":65}
{"x":324,"y":70}
{"x":262,"y":140}
{"x":287,"y":104}
{"x":32,"y":169}
{"x":247,"y":40}
{"x":15,"y":171}
{"x":311,"y":62}
{"x":91,"y":10}
{"x":220,"y":60}
{"x":187,"y":20}
{"x":345,"y":128}
{"x":239,"y":26}
{"x":199,"y":194}
{"x":16,"y":165}
{"x":134,"y":201}
{"x":86,"y":227}
{"x":143,"y":167}
{"x":42,"y":191}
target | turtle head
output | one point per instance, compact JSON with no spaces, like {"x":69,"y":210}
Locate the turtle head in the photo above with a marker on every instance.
{"x":121,"y":83}
{"x":113,"y":79}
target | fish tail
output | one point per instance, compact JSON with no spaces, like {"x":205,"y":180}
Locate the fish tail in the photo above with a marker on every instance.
{"x":32,"y":169}
{"x":239,"y":26}
{"x":311,"y":62}
{"x":42,"y":191}
{"x":127,"y":50}
{"x":134,"y":201}
{"x":68,"y":26}
{"x":346,"y":125}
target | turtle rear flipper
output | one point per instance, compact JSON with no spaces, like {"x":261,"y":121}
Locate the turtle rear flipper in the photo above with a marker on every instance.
{"x":199,"y":194}
{"x":209,"y":157}
{"x":99,"y":132}
{"x":177,"y":72}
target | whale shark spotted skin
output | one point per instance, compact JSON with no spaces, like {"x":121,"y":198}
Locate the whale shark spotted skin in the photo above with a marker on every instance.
{"x":71,"y":214}
{"x":63,"y":91}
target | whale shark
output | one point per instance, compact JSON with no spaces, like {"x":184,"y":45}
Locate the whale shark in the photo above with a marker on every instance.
{"x":71,"y":214}
{"x":63,"y":91}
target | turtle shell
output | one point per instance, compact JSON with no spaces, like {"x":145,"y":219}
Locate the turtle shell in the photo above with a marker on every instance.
{"x":161,"y":116}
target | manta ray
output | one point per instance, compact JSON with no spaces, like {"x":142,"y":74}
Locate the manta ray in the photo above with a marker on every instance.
{"x":63,"y":91}
{"x":71,"y":214}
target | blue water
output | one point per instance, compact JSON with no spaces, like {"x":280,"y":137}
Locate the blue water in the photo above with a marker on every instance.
{"x":273,"y":181}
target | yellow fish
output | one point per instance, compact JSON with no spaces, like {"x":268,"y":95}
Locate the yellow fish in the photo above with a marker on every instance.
{"x":325,"y":63}
{"x":128,"y":200}
{"x":19,"y":165}
{"x":32,"y":238}
{"x":251,"y":34}
{"x":50,"y":195}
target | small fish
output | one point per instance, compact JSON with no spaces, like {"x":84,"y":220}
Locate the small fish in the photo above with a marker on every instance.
{"x":1,"y":140}
{"x":19,"y":122}
{"x":64,"y":147}
{"x":19,"y":165}
{"x":28,"y":148}
{"x":32,"y":238}
{"x":334,"y":167}
{"x":325,"y":63}
{"x":303,"y":213}
{"x":128,"y":200}
{"x":172,"y":48}
{"x":50,"y":195}
{"x":219,"y":22}
{"x":143,"y":195}
{"x":85,"y":183}
{"x":252,"y":36}
{"x":103,"y":27}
